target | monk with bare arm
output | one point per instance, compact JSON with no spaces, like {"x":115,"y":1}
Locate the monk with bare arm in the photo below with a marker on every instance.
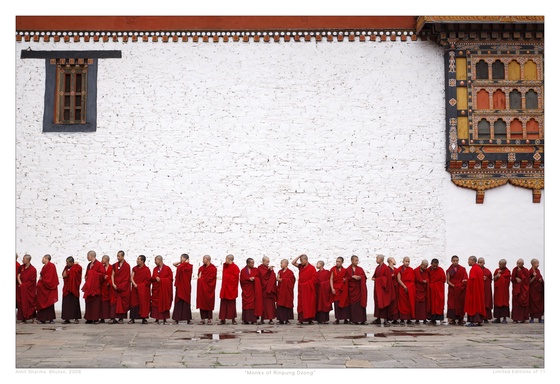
{"x":536,"y":293}
{"x":72,"y":277}
{"x":502,"y":279}
{"x":339,"y":290}
{"x":26,"y":290}
{"x":487,"y":289}
{"x":183,"y":277}
{"x":120,"y":280}
{"x":47,"y":292}
{"x":140,"y":297}
{"x":306,"y":306}
{"x":229,"y":291}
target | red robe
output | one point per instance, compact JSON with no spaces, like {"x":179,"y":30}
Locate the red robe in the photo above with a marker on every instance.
{"x":474,"y":297}
{"x":121,"y":295}
{"x":162,"y":290}
{"x":357,"y":289}
{"x":536,"y":294}
{"x":340,"y":286}
{"x":140,"y":295}
{"x":206,"y":287}
{"x":230,"y":282}
{"x":251,"y":291}
{"x":456,"y":294}
{"x":422,"y":297}
{"x":436,"y":290}
{"x":323,"y":291}
{"x":107,"y":287}
{"x":501,"y":288}
{"x":286,"y":288}
{"x":407,"y":303}
{"x":306,"y":291}
{"x":47,"y":287}
{"x":487,"y":293}
{"x":183,"y":278}
{"x":394,"y":305}
{"x":72,"y":280}
{"x":26,"y":292}
{"x":95,"y":274}
{"x":520,"y":291}
{"x":383,"y":287}
{"x":268,"y":282}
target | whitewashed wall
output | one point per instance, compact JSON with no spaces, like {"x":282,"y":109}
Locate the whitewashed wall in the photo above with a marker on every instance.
{"x":330,"y":149}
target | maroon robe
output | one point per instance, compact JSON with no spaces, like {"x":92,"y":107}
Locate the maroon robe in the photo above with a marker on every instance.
{"x":407,"y":300}
{"x":536,"y":294}
{"x":251,"y":295}
{"x":26,"y":292}
{"x":501,"y":293}
{"x":121,"y":295}
{"x":394,"y":304}
{"x":456,"y":294}
{"x":323,"y":292}
{"x":107,"y":294}
{"x":229,"y":291}
{"x":422,"y":296}
{"x":474,"y":295}
{"x":95,"y":276}
{"x":206,"y":287}
{"x":340,"y":297}
{"x":47,"y":293}
{"x":307,"y":307}
{"x":436,"y":291}
{"x":268,"y":285}
{"x":285,"y":310}
{"x":357,"y":294}
{"x":183,"y":278}
{"x":520,"y":294}
{"x":71,"y":293}
{"x":162,"y":292}
{"x":383,"y":287}
{"x":140,"y":297}
{"x":487,"y":293}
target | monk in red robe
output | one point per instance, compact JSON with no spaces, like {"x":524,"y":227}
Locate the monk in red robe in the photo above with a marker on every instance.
{"x":422,"y":297}
{"x":487,"y":289}
{"x":140,"y":298}
{"x":407,"y":292}
{"x":162,"y":291}
{"x":502,"y":278}
{"x":357,"y":291}
{"x":107,"y":291}
{"x":72,"y":277}
{"x":436,"y":291}
{"x":120,"y":279}
{"x":323,"y":292}
{"x":26,"y":290}
{"x":382,"y":290}
{"x":183,"y":277}
{"x":536,"y":293}
{"x":474,"y":295}
{"x":286,"y":283}
{"x":206,"y":289}
{"x":251,"y":293}
{"x":94,"y":279}
{"x":268,"y":286}
{"x":394,"y":304}
{"x":307,"y":297}
{"x":229,"y":291}
{"x":520,"y":293}
{"x":456,"y":280}
{"x":47,"y":292}
{"x":339,"y":291}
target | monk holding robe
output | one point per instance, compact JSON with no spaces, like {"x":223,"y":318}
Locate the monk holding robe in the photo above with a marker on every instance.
{"x":251,"y":293}
{"x":422,"y":298}
{"x":382,"y":292}
{"x":520,"y":293}
{"x":487,"y":289}
{"x":206,"y":289}
{"x":536,"y":293}
{"x":357,"y":291}
{"x":502,"y":278}
{"x":183,"y":277}
{"x":268,"y":286}
{"x":474,"y":296}
{"x":162,"y":291}
{"x":456,"y":280}
{"x":107,"y":291}
{"x":323,"y":291}
{"x":229,"y":291}
{"x":339,"y":290}
{"x":47,"y":292}
{"x":407,"y":291}
{"x":306,"y":307}
{"x":72,"y":277}
{"x":286,"y":282}
{"x":394,"y":304}
{"x":120,"y":280}
{"x":436,"y":291}
{"x":140,"y":298}
{"x":95,"y":277}
{"x":26,"y":290}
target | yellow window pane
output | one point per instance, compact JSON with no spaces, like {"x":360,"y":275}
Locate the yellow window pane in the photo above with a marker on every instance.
{"x":514,"y":70}
{"x":462,"y":98}
{"x":462,"y":128}
{"x":530,"y":70}
{"x":461,"y":69}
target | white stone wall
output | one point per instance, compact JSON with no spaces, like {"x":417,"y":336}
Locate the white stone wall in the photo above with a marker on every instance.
{"x":277,"y":149}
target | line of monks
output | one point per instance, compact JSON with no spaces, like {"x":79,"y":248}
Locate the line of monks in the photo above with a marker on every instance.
{"x":117,"y":292}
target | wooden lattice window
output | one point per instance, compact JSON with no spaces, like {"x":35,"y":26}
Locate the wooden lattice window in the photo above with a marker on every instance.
{"x":71,"y":91}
